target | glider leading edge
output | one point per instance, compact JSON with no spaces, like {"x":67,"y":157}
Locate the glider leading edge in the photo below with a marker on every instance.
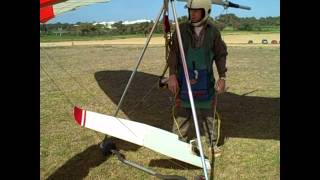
{"x":51,"y":8}
{"x":156,"y":139}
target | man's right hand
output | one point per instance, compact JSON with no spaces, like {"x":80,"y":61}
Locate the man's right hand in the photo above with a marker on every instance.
{"x":173,"y":84}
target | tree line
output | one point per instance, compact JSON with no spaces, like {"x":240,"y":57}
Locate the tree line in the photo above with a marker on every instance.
{"x":223,"y":22}
{"x":246,"y":23}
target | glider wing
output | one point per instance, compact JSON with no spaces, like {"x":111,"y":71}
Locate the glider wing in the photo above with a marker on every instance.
{"x":156,"y":139}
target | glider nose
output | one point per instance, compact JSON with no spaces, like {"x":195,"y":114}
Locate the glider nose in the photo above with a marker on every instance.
{"x":77,"y":112}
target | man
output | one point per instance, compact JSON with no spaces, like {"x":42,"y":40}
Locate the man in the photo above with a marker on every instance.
{"x":202,"y":46}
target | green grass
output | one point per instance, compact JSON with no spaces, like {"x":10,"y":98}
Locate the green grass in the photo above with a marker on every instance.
{"x":68,"y":37}
{"x":95,"y":77}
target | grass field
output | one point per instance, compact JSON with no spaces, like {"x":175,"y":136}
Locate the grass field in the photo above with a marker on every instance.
{"x":94,"y":77}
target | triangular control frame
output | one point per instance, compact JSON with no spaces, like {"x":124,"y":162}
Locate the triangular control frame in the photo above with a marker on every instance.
{"x":162,"y":10}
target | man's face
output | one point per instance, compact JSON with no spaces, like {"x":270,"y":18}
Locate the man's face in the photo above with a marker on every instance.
{"x":195,"y":15}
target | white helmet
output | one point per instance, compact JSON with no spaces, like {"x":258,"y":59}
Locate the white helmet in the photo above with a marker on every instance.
{"x":199,"y":4}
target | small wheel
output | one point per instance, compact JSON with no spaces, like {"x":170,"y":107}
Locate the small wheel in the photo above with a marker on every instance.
{"x":107,"y":146}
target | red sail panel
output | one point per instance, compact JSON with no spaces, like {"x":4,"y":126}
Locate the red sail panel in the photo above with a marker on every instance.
{"x":46,"y":13}
{"x":44,"y":3}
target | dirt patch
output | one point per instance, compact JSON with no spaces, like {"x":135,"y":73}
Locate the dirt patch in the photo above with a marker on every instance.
{"x":229,"y":39}
{"x":131,"y":41}
{"x":244,"y":38}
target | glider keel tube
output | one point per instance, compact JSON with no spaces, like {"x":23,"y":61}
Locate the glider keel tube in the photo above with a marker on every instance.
{"x":156,"y":139}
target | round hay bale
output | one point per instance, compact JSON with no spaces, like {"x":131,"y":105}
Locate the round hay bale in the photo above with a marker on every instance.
{"x":274,"y":42}
{"x":250,"y":42}
{"x":264,"y":41}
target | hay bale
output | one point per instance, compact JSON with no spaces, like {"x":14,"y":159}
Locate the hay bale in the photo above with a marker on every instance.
{"x":250,"y":42}
{"x":264,"y":41}
{"x":274,"y":42}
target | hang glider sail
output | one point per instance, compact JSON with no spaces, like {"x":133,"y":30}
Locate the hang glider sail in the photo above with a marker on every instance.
{"x":145,"y":135}
{"x":51,"y":8}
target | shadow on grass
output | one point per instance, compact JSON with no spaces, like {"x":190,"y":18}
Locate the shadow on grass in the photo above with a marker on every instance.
{"x":154,"y":111}
{"x":242,"y":116}
{"x":78,"y":167}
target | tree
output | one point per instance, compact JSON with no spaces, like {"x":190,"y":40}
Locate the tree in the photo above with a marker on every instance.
{"x":121,"y":29}
{"x":182,"y":19}
{"x":229,"y":20}
{"x":221,"y":22}
{"x":246,"y":27}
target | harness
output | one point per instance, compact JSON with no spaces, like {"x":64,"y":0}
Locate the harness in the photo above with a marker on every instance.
{"x":200,"y":69}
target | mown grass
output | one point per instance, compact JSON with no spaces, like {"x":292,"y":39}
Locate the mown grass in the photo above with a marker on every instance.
{"x":68,"y":37}
{"x":94,"y":77}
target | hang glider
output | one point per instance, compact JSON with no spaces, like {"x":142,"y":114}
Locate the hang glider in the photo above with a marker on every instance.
{"x":51,"y":8}
{"x":156,"y":139}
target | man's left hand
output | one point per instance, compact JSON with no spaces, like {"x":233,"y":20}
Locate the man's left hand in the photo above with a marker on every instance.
{"x":221,"y":86}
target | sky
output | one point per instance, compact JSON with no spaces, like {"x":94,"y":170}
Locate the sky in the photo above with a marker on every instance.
{"x":130,"y":10}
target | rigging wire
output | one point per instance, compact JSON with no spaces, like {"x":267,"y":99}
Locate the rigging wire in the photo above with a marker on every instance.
{"x":97,"y":137}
